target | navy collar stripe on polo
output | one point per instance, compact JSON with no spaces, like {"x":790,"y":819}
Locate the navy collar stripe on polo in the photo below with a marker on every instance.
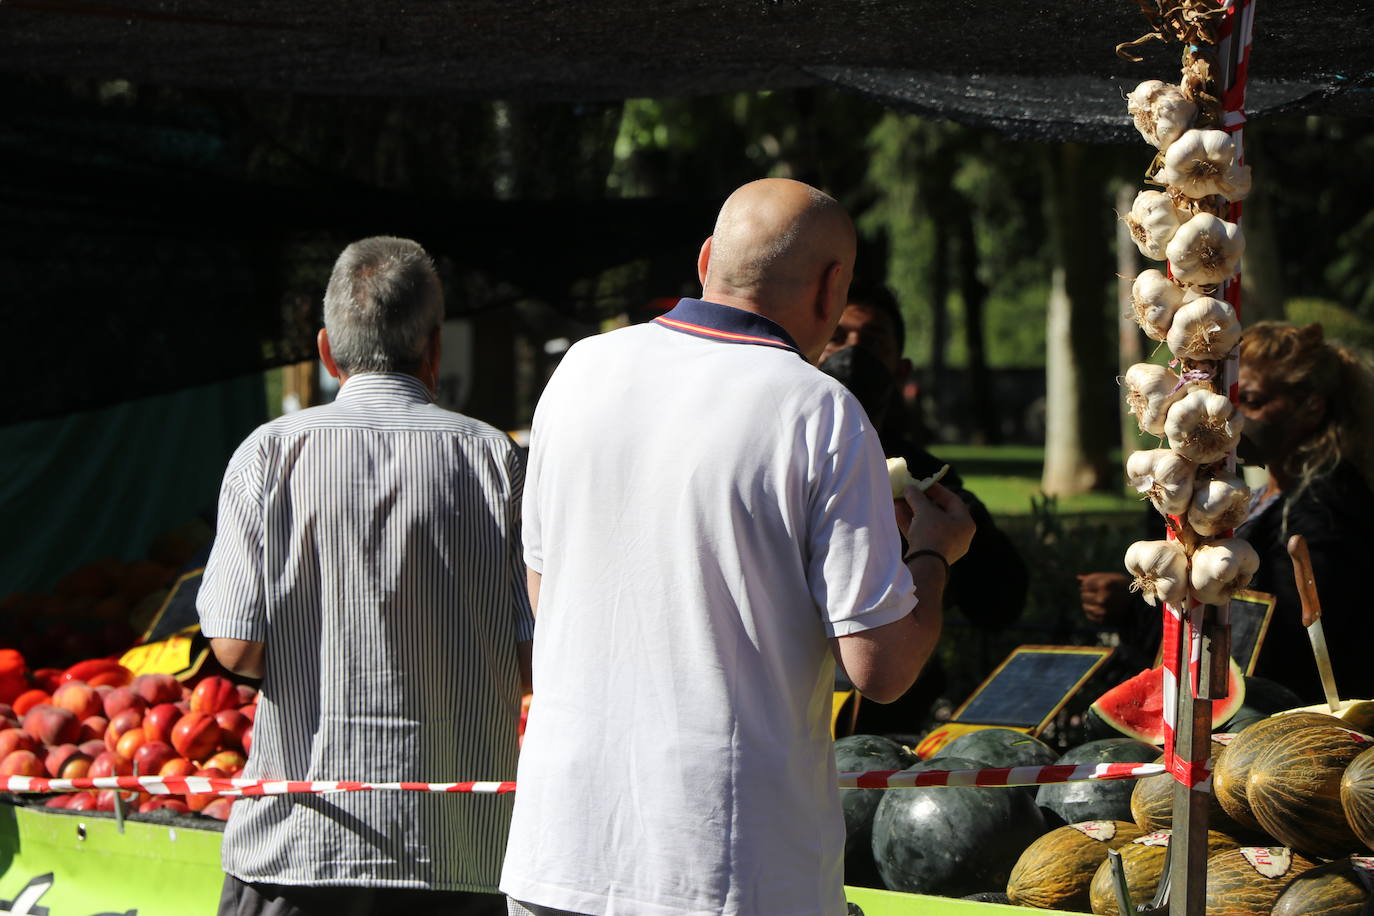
{"x":726,"y":324}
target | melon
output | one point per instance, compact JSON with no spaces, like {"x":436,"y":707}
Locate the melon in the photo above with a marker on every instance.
{"x":1055,"y":872}
{"x":1135,"y":707}
{"x":858,"y":754}
{"x":1232,"y":769}
{"x":1000,"y":747}
{"x":1094,"y":800}
{"x":1356,"y":714}
{"x":1263,"y":697}
{"x":1294,"y":789}
{"x":1357,"y":797}
{"x":1339,"y":888}
{"x":1247,"y":881}
{"x":951,"y":840}
{"x":1152,"y":804}
{"x":1143,"y":861}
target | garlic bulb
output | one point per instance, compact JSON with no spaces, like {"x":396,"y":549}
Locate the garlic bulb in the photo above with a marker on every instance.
{"x":1221,"y":567}
{"x":1153,"y":221}
{"x":1203,"y":426}
{"x":1150,"y":391}
{"x":1203,"y":163}
{"x":1164,"y":476}
{"x":1218,"y":505}
{"x":1161,"y":112}
{"x":1160,"y":569}
{"x":1155,"y":298}
{"x":1205,"y":250}
{"x":1205,"y":328}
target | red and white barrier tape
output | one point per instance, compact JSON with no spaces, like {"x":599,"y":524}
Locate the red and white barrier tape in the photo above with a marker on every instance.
{"x":876,"y":779}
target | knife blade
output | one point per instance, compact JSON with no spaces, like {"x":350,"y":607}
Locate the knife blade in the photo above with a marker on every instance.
{"x":1312,"y":616}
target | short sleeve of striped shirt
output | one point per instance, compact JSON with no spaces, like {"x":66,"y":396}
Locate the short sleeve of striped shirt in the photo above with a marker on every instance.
{"x":231,"y":598}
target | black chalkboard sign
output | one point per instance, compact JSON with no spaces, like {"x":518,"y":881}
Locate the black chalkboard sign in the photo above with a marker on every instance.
{"x":1250,"y":614}
{"x":1031,"y":685}
{"x":178,"y":611}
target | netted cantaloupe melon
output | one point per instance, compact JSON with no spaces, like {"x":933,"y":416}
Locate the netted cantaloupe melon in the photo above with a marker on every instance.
{"x":1232,"y":770}
{"x":1247,"y":881}
{"x":1143,"y":859}
{"x":1294,"y":789}
{"x":1055,"y":871}
{"x":1339,"y":888}
{"x":1357,"y":796}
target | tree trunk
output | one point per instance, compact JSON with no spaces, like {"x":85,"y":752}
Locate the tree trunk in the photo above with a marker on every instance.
{"x":1130,"y":339}
{"x":939,"y":333}
{"x":974,"y":292}
{"x":1079,"y":434}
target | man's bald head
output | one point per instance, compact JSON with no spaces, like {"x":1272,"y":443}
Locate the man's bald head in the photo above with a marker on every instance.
{"x":778,"y":246}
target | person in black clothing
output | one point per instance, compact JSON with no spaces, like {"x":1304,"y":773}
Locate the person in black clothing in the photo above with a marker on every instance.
{"x":989,"y":584}
{"x":1309,"y":420}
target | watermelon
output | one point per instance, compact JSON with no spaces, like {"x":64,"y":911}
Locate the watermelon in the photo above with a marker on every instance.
{"x":1000,"y":747}
{"x":1248,"y":881}
{"x":1135,"y":707}
{"x":1232,"y":771}
{"x":1339,"y":888}
{"x":1294,"y":789}
{"x":1263,"y":697}
{"x":1357,"y":796}
{"x":987,"y":897}
{"x":1101,"y":800}
{"x":1055,"y":872}
{"x":948,"y":840}
{"x":1143,"y":859}
{"x":862,"y":753}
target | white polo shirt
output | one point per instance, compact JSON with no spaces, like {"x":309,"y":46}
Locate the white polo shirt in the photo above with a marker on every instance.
{"x":707,"y":510}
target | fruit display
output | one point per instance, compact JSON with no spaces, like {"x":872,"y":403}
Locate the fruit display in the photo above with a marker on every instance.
{"x":952,"y":841}
{"x":1000,"y":747}
{"x":1231,"y":774}
{"x":1056,"y":871}
{"x":1142,"y":860}
{"x":1075,"y":802}
{"x":1152,"y":804}
{"x":1294,"y":789}
{"x":1357,"y":797}
{"x":1339,"y":888}
{"x":128,"y":726}
{"x":1248,"y":881}
{"x":864,"y":753}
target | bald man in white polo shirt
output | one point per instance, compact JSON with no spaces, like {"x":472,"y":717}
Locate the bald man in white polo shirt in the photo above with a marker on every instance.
{"x":708,"y":527}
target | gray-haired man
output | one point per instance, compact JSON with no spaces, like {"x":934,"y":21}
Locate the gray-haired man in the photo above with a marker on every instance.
{"x":367,"y":567}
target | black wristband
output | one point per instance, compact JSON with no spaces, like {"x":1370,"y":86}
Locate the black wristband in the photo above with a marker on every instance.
{"x":928,"y":553}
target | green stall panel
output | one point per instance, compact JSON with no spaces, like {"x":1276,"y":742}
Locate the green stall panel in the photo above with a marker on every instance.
{"x":68,"y":863}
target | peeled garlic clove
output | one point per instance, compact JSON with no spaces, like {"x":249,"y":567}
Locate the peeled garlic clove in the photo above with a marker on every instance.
{"x":1155,"y":298}
{"x":1203,"y":426}
{"x":899,"y":477}
{"x":1202,"y":163}
{"x":1221,"y":567}
{"x":1205,"y":328}
{"x":1161,"y":112}
{"x":1219,"y":505}
{"x":1160,"y":569}
{"x":1205,"y":250}
{"x":1163,"y":476}
{"x":1153,"y":221}
{"x":1150,"y":391}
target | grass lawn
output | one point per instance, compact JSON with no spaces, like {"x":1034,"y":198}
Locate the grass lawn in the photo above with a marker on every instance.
{"x":1006,"y":477}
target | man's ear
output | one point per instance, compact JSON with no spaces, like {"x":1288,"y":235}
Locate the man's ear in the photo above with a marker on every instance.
{"x":703,"y":262}
{"x":326,"y":354}
{"x":833,"y":294}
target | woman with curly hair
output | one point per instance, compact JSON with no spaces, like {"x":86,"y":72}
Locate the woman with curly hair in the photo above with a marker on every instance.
{"x":1309,"y":419}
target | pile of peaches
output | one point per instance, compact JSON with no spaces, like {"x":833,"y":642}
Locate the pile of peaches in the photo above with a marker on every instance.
{"x":97,"y":719}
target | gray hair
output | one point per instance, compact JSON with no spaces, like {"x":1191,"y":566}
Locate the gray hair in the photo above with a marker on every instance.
{"x":382,"y":303}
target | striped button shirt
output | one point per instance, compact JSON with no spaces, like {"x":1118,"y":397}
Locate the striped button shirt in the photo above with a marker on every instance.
{"x":373,"y":544}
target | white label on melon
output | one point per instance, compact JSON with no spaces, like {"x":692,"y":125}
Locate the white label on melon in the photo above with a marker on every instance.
{"x":1357,"y":737}
{"x":1160,"y":838}
{"x":1101,"y":831}
{"x":1223,"y":737}
{"x":1270,"y":861}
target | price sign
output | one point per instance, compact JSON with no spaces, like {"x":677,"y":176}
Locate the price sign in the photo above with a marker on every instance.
{"x":170,"y":644}
{"x":1250,"y":614}
{"x":166,"y":656}
{"x":1030,"y":686}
